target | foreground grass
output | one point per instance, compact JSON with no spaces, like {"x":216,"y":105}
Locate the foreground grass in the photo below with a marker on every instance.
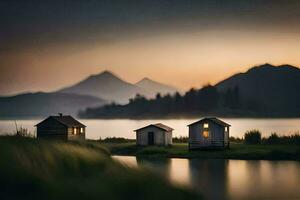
{"x":32,"y":169}
{"x":236,"y":151}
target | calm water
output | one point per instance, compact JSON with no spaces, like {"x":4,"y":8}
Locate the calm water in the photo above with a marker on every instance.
{"x":228,"y":179}
{"x":125,"y":127}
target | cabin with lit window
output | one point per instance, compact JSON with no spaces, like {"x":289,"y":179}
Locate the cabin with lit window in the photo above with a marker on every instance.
{"x":209,"y":133}
{"x":61,"y":127}
{"x":154,"y":134}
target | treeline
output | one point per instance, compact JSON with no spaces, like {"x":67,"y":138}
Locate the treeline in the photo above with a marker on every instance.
{"x":255,"y":137}
{"x":207,"y":100}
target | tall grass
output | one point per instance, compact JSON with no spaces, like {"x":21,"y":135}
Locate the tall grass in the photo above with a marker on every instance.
{"x":288,"y":140}
{"x":33,"y":169}
{"x":181,"y":139}
{"x":253,"y":137}
{"x":115,"y":140}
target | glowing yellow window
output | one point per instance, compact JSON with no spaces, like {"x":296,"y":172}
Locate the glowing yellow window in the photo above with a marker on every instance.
{"x":81,"y":130}
{"x":226,"y":129}
{"x":74,"y":131}
{"x":205,"y":125}
{"x":205,"y":134}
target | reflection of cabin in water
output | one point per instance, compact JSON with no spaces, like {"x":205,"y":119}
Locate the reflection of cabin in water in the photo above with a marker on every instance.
{"x":208,"y":133}
{"x":154,"y":134}
{"x":62,"y":127}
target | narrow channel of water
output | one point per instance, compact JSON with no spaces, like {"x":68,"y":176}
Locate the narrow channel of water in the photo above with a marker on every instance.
{"x":228,"y":179}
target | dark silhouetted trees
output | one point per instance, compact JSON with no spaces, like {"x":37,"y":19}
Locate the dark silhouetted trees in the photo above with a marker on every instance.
{"x":253,"y":137}
{"x":207,"y":100}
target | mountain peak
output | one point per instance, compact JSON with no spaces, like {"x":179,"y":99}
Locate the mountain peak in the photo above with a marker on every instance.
{"x":105,"y":73}
{"x":265,"y":66}
{"x":145,"y":80}
{"x":154,"y":87}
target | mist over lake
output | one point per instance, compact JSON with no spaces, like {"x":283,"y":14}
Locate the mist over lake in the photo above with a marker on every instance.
{"x":97,"y":128}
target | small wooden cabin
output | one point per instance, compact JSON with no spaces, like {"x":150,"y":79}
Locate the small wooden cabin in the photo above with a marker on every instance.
{"x":63,"y":127}
{"x":208,"y":132}
{"x":154,"y":134}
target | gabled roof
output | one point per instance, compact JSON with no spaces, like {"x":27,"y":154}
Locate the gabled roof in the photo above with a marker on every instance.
{"x":158,"y":125}
{"x":66,"y":120}
{"x":212,"y":119}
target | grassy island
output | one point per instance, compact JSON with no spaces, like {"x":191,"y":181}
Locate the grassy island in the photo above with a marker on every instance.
{"x":236,"y":151}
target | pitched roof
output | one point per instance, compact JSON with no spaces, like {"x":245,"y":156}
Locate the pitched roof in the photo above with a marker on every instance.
{"x":66,"y":120}
{"x":158,"y":125}
{"x":162,"y":126}
{"x":212,"y":119}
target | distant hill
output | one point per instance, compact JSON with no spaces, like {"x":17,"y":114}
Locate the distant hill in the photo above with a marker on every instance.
{"x":276,"y":88}
{"x":43,"y":104}
{"x":151,"y":88}
{"x":262,"y":91}
{"x":107,"y":85}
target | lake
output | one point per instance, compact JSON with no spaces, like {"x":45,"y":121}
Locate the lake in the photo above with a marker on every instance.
{"x":228,"y":179}
{"x":97,"y":128}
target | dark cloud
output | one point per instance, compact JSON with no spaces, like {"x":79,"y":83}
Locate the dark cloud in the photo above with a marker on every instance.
{"x":34,"y":23}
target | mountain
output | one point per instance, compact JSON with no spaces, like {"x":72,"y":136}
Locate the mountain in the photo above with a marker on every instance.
{"x":151,"y":88}
{"x":262,"y":91}
{"x":107,"y":85}
{"x":44,"y":104}
{"x":275,"y":87}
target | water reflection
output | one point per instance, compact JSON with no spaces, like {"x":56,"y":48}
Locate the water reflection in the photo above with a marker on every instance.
{"x":228,"y":179}
{"x":264,"y":179}
{"x":209,"y":177}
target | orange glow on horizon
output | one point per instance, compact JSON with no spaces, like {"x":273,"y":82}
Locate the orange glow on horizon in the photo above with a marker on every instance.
{"x":184,"y":60}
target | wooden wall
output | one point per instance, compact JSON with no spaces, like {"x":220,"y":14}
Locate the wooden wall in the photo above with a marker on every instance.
{"x":161,"y":138}
{"x":52,"y":129}
{"x":78,"y":136}
{"x":217,"y":137}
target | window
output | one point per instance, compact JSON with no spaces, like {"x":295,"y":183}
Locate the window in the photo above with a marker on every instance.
{"x":205,"y":134}
{"x":74,"y":131}
{"x":226,"y":129}
{"x":205,"y":125}
{"x":81,"y":130}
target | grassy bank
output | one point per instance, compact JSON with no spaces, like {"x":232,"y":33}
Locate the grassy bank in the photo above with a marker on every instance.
{"x":33,"y":169}
{"x":236,"y":151}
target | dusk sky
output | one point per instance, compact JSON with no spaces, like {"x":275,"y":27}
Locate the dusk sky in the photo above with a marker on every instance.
{"x":46,"y":45}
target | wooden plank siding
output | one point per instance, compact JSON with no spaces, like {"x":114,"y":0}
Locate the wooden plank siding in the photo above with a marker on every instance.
{"x":161,"y":137}
{"x":52,"y":129}
{"x":78,"y":136}
{"x":217,"y":137}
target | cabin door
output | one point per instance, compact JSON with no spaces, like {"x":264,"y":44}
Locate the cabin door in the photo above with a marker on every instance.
{"x":150,"y":138}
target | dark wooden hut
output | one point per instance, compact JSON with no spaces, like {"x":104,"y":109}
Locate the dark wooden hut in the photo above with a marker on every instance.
{"x":208,"y":132}
{"x":62,"y":127}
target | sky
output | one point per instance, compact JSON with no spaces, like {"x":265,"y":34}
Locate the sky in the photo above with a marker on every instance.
{"x":47,"y":45}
